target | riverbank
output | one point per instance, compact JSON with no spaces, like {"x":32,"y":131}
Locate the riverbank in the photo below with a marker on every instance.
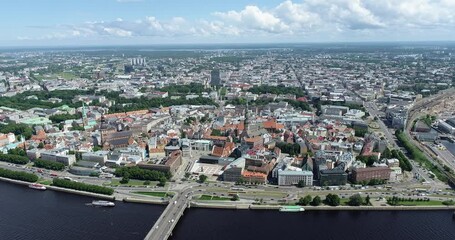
{"x":238,"y":206}
{"x":66,"y":190}
{"x":219,"y":205}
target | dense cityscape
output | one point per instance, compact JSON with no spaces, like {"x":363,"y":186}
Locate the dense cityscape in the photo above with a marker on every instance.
{"x":239,"y":127}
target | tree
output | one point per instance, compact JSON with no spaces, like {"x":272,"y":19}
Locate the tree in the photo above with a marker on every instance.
{"x":147,"y":182}
{"x":187,"y":175}
{"x":17,"y":151}
{"x":301,"y":184}
{"x":304,"y":201}
{"x":367,"y":200}
{"x":202,"y":178}
{"x":387,"y":153}
{"x":162,"y":182}
{"x":316,"y":201}
{"x":41,"y":145}
{"x":355,"y":200}
{"x":125,"y":180}
{"x":332,"y":200}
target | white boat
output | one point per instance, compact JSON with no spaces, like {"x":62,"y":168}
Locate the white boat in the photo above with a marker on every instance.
{"x":291,"y":209}
{"x":37,"y":186}
{"x":103,"y":203}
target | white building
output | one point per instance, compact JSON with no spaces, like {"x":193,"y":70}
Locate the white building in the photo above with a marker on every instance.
{"x":289,"y":177}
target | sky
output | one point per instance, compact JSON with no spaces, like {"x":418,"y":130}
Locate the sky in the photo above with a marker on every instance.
{"x":130,"y":22}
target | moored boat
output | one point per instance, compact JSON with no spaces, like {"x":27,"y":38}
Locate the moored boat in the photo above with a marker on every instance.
{"x":37,"y":186}
{"x":291,"y":209}
{"x":103,"y":203}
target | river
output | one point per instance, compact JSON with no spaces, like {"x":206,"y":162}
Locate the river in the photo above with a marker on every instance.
{"x":31,"y":214}
{"x":361,"y":225}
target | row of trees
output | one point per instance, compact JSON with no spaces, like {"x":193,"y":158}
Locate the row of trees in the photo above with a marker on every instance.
{"x":404,"y":161}
{"x":333,"y":200}
{"x":141,"y":174}
{"x":16,"y":159}
{"x":395,"y":201}
{"x":418,"y":155}
{"x":280,"y":89}
{"x":23,"y":176}
{"x":49,"y":165}
{"x":82,"y":186}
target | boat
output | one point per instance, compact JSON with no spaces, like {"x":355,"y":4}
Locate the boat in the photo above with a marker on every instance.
{"x":291,"y":209}
{"x":101,"y":203}
{"x":37,"y":186}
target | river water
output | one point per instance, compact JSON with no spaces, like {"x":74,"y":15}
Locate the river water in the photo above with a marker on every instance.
{"x":31,"y":214}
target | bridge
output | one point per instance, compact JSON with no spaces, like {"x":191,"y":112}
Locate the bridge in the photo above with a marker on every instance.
{"x":162,"y":229}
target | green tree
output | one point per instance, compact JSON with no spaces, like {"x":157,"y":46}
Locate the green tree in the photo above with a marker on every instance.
{"x":23,"y":176}
{"x":125,"y":180}
{"x":41,"y":145}
{"x":49,"y":165}
{"x":304,"y":201}
{"x":17,"y":151}
{"x":316,"y":201}
{"x":82,"y":186}
{"x":202,"y":178}
{"x":332,"y":200}
{"x":301,"y":184}
{"x":387,"y":153}
{"x":162,"y":182}
{"x":355,"y":200}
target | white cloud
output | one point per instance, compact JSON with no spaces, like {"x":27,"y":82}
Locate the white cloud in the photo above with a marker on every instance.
{"x":346,"y":18}
{"x":253,"y":18}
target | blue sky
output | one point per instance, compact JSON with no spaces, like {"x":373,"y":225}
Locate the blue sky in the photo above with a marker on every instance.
{"x":110,"y":22}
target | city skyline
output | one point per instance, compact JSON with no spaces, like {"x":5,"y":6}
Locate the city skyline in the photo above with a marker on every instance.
{"x":130,"y":22}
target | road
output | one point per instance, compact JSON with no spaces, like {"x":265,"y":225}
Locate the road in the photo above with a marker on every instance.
{"x":171,"y":215}
{"x":390,"y":138}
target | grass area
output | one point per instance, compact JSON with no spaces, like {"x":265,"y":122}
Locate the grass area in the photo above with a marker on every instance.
{"x":132,"y":182}
{"x":421,"y":203}
{"x":216,"y":198}
{"x":50,"y":76}
{"x":45,"y":181}
{"x":156,"y":194}
{"x":265,"y":194}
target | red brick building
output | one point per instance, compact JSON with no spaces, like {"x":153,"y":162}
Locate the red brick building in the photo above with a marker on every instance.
{"x":366,"y":174}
